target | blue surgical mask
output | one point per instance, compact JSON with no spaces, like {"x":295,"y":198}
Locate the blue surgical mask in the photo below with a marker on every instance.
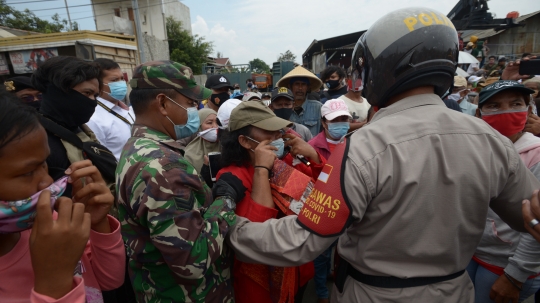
{"x":118,"y":90}
{"x":192,"y":125}
{"x":338,"y":130}
{"x":279,"y":144}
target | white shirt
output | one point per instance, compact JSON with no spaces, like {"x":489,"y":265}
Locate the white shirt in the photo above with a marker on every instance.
{"x":471,"y":70}
{"x":111,"y":132}
{"x":358,"y":110}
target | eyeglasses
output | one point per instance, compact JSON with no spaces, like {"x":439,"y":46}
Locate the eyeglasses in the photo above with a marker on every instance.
{"x":31,"y":98}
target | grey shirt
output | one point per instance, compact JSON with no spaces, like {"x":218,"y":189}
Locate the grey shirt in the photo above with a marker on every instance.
{"x":420,"y":179}
{"x":302,"y":131}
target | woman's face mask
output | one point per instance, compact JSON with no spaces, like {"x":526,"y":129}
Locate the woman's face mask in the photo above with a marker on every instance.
{"x":279,"y":144}
{"x":16,"y":216}
{"x":209,"y":135}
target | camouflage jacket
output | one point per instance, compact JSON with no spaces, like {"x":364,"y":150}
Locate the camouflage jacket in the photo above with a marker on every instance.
{"x":173,"y":229}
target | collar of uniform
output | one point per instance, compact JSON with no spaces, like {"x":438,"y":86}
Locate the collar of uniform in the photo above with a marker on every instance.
{"x":107,"y":103}
{"x":408,"y":103}
{"x":141,"y":131}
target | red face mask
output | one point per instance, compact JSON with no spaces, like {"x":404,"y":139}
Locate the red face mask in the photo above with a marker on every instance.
{"x":508,"y":122}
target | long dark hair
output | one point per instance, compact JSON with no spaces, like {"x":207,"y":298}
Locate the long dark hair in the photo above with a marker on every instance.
{"x":16,"y":119}
{"x":232,"y":153}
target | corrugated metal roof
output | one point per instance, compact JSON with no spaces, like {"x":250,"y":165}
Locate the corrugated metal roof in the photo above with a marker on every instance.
{"x":486,"y":33}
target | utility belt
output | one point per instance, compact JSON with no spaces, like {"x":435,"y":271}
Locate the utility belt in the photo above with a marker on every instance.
{"x":345,"y":269}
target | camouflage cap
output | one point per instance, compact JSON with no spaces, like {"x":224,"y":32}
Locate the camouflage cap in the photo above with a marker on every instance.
{"x":168,"y":74}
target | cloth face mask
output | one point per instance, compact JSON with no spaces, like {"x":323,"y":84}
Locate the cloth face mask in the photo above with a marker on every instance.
{"x":16,"y":216}
{"x":508,"y":122}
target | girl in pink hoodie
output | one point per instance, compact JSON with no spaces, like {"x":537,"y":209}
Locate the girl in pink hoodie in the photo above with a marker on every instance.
{"x":70,"y":255}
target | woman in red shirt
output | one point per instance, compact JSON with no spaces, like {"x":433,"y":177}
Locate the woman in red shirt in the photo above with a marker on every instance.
{"x":248,"y":154}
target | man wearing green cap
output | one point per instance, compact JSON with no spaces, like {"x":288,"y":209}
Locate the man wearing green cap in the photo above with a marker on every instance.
{"x":173,"y":228}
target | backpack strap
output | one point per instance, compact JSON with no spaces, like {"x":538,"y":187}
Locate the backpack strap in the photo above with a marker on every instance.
{"x":59,"y":131}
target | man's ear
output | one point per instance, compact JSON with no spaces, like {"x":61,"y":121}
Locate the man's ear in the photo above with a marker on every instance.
{"x":477,"y":114}
{"x":162,"y":104}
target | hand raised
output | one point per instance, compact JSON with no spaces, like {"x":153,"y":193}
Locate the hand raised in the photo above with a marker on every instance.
{"x":57,"y":246}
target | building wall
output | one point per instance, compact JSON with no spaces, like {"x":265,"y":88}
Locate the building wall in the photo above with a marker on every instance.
{"x":155,"y":49}
{"x":152,"y":22}
{"x":518,"y":40}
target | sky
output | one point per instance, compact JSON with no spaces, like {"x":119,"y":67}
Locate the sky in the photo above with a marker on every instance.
{"x":243,"y":30}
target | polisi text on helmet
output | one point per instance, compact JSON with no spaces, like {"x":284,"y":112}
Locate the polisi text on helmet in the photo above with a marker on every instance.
{"x":427,"y":19}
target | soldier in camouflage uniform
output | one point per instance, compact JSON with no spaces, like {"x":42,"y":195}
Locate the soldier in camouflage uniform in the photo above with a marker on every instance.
{"x":173,"y":228}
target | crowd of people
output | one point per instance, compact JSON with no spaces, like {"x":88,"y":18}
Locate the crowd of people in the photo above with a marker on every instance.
{"x":398,"y":180}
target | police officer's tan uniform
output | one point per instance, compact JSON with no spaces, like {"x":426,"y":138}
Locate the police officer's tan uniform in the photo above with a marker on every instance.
{"x":416,"y":184}
{"x":419,"y":198}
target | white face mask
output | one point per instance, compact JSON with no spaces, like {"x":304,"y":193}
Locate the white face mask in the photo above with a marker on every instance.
{"x":209,"y":135}
{"x":456,"y":96}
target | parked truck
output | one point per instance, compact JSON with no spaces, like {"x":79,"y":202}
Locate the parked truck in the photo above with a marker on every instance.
{"x":262,"y":81}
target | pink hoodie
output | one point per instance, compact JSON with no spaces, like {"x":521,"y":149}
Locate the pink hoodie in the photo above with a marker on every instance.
{"x":527,"y":148}
{"x":102,"y":267}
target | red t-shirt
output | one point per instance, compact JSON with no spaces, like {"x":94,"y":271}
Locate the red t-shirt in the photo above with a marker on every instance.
{"x":247,"y":290}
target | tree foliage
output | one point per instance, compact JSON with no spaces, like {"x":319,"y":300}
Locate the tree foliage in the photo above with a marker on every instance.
{"x":287,"y":56}
{"x":184,"y":48}
{"x":259,"y":66}
{"x":27,"y":20}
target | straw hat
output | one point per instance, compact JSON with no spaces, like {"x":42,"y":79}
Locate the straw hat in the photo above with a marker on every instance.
{"x":314,"y":82}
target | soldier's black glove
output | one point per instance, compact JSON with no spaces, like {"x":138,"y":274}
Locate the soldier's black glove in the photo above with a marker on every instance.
{"x":229,"y":185}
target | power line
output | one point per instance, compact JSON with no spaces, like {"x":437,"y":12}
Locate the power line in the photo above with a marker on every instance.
{"x":93,"y":16}
{"x":81,"y":5}
{"x":113,"y":12}
{"x":15,"y":3}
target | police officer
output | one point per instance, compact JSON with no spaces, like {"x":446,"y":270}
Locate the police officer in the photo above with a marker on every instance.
{"x":174,"y":231}
{"x":407,"y":194}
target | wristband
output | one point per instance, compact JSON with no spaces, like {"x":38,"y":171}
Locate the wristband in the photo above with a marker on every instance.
{"x":270,"y":172}
{"x":512,"y":281}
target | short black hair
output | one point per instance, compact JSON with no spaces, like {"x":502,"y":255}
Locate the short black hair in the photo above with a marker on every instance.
{"x":492,"y":57}
{"x":525,"y":55}
{"x":502,"y":59}
{"x":65,"y":73}
{"x":106,"y":64}
{"x":16,"y":119}
{"x":232,"y":153}
{"x":141,"y":97}
{"x":327,"y":72}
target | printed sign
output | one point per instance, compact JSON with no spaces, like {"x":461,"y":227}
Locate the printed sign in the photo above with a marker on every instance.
{"x":325,"y":211}
{"x":28,"y":60}
{"x":4,"y":69}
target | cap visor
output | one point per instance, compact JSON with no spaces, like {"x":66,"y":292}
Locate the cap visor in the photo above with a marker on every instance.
{"x":272,"y":124}
{"x":491,"y":94}
{"x":332,"y":116}
{"x":223,"y":85}
{"x":283,"y":95}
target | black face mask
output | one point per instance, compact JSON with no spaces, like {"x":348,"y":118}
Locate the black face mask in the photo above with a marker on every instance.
{"x":219,"y":99}
{"x":283,"y":113}
{"x":34,"y":104}
{"x":71,"y":109}
{"x":332,"y":84}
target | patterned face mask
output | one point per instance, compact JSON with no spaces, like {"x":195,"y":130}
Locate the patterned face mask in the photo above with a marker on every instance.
{"x":16,"y":216}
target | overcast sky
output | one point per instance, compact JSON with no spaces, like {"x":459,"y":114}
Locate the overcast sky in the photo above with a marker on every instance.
{"x":246,"y":29}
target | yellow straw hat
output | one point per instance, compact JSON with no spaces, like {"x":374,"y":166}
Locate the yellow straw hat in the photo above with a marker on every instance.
{"x":314,"y":82}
